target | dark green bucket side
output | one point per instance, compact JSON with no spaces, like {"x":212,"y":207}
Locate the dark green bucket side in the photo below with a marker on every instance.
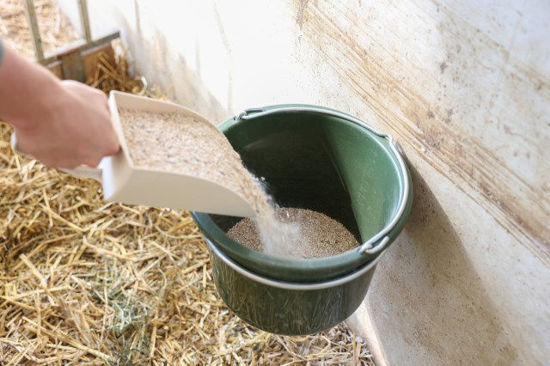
{"x":284,"y":310}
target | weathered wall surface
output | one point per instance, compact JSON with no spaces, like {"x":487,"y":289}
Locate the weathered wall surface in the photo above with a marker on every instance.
{"x":465,"y":88}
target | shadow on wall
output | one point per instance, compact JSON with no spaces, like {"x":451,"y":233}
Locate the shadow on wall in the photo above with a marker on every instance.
{"x":155,"y":59}
{"x":430,"y":291}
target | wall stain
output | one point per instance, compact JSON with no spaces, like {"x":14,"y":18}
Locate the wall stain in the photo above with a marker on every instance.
{"x":430,"y":285}
{"x":302,"y":6}
{"x":474,"y":169}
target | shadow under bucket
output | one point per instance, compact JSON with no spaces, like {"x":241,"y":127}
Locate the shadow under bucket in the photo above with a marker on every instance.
{"x":324,"y":160}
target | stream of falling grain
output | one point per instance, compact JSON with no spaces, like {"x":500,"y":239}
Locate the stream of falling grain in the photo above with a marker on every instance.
{"x":192,"y":146}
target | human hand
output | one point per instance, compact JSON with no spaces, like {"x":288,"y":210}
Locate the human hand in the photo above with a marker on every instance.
{"x":71,"y":126}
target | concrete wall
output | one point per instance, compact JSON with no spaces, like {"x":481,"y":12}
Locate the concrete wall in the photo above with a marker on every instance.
{"x":465,"y":88}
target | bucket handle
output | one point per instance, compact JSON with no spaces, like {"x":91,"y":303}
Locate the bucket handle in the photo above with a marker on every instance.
{"x":369,"y":247}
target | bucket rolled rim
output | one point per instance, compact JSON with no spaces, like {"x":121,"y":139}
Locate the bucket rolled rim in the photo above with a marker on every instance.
{"x":381,"y":237}
{"x":296,"y":286}
{"x":332,"y":266}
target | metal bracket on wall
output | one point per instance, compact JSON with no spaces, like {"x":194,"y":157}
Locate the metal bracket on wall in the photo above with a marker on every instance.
{"x":70,"y":61}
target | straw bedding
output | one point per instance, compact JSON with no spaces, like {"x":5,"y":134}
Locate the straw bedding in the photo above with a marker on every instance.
{"x":88,"y":283}
{"x":55,"y":29}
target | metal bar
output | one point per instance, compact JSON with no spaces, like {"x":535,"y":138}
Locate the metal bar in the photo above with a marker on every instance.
{"x":72,"y":67}
{"x":35,"y":31}
{"x":85,"y":20}
{"x":80,"y":47}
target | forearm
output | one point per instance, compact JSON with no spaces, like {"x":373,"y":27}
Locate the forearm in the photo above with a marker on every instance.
{"x":27,"y":90}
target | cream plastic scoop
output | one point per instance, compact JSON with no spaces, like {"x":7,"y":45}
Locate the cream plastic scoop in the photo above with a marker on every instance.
{"x":124,"y":182}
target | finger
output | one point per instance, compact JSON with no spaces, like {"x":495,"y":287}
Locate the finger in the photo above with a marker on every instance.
{"x":72,"y":164}
{"x":63,"y":161}
{"x":29,"y":153}
{"x":113,"y":146}
{"x":92,"y":162}
{"x":95,"y":98}
{"x":100,"y":93}
{"x":49,"y":163}
{"x":113,"y":151}
{"x":107,"y":108}
{"x":71,"y":84}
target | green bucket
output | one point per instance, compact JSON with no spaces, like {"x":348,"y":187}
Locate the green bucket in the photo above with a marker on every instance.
{"x":324,"y":160}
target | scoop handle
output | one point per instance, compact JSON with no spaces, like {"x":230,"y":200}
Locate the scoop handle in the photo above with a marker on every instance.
{"x":82,"y":171}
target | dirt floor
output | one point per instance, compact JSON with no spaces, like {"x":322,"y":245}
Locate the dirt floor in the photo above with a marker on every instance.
{"x":84,"y":282}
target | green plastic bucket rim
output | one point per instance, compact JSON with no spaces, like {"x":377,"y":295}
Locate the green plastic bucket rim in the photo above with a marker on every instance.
{"x":294,"y":286}
{"x":368,"y":250}
{"x":368,"y":247}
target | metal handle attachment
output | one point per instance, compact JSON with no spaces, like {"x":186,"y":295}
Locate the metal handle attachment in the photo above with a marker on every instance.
{"x":248,"y":111}
{"x":369,"y":248}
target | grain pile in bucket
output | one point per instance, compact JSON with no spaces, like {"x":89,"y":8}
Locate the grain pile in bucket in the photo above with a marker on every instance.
{"x":84,"y":282}
{"x":321,"y":236}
